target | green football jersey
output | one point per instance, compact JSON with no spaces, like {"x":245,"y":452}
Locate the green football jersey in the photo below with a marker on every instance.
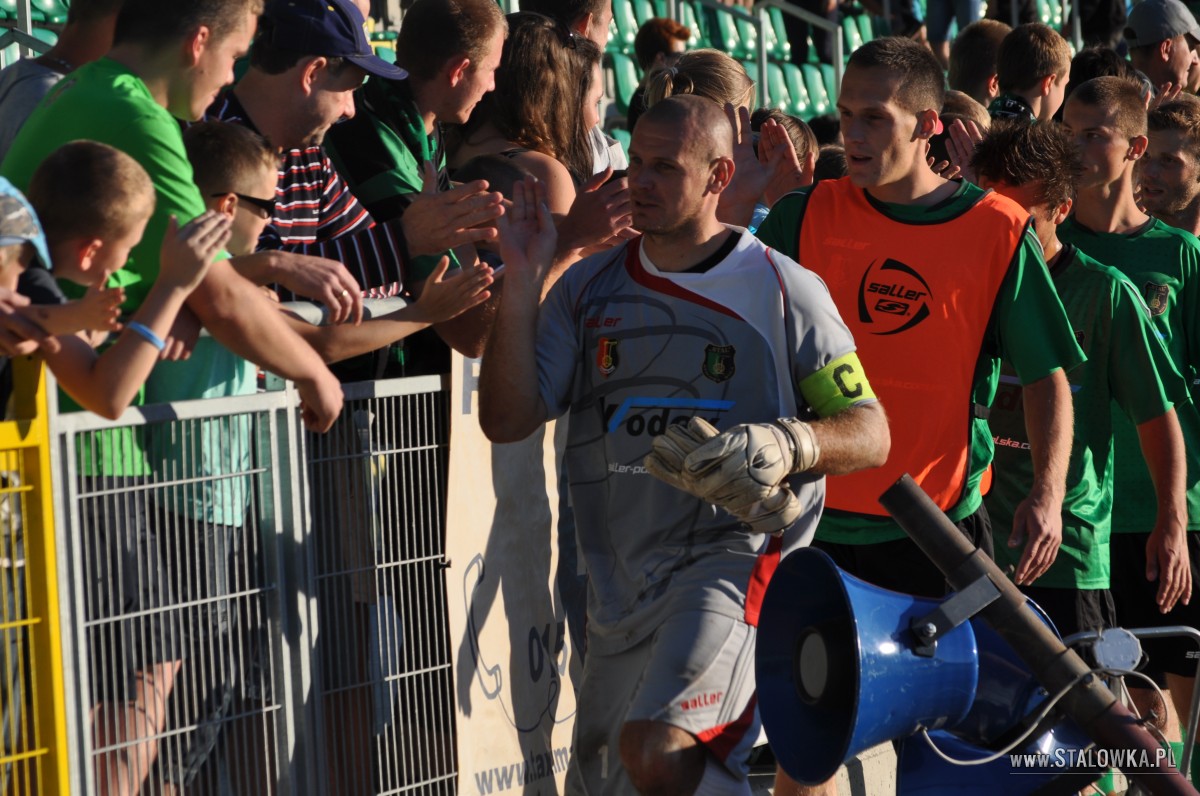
{"x":1163,"y":263}
{"x":1126,"y":365}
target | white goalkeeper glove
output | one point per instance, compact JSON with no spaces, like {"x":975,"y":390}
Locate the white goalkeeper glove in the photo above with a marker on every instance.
{"x":740,"y":470}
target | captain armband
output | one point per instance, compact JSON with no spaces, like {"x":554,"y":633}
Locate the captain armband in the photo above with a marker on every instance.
{"x":839,"y":385}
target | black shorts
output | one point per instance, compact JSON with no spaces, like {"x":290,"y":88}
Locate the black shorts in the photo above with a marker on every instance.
{"x":1075,"y":610}
{"x":1136,"y":607}
{"x":127,"y":592}
{"x":900,"y":565}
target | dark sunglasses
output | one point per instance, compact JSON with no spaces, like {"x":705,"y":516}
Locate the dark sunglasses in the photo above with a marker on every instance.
{"x":265,"y":205}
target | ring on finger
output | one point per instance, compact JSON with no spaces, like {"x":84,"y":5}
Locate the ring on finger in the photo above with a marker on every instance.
{"x":344,"y":293}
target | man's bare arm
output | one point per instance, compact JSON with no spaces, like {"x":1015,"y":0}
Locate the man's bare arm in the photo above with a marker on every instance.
{"x":1037,"y":522}
{"x":854,"y":439}
{"x":240,"y":317}
{"x":1162,"y":445}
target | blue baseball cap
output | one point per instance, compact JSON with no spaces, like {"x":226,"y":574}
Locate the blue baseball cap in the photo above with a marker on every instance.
{"x":19,"y":222}
{"x":332,"y":28}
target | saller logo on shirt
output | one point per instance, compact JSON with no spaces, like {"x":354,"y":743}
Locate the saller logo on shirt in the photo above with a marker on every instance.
{"x":892,"y":297}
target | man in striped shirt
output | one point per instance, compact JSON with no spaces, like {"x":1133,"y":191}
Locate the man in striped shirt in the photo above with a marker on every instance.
{"x":300,"y":83}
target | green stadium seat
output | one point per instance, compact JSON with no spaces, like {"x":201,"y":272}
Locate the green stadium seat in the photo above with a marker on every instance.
{"x":386,"y":53}
{"x":779,"y":48}
{"x":385,"y":35}
{"x":866,"y":27}
{"x":627,"y":27}
{"x":688,"y":16}
{"x":9,"y":55}
{"x":818,"y":94}
{"x":723,"y":31}
{"x":851,"y":36}
{"x":644,"y":11}
{"x":624,"y":137}
{"x":777,"y":88}
{"x":46,"y":35}
{"x":625,"y":80}
{"x":747,"y":37}
{"x":830,"y":81}
{"x":54,"y":12}
{"x":8,"y":9}
{"x":793,"y":78}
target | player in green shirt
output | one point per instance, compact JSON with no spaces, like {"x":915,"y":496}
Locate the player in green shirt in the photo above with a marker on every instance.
{"x":888,"y":108}
{"x":1035,"y":165}
{"x":1107,"y":119}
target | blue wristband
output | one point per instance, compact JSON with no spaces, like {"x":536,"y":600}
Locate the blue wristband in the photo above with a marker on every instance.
{"x":148,"y":333}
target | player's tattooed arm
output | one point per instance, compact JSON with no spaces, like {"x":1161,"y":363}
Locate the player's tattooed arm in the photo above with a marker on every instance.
{"x":1037,"y":522}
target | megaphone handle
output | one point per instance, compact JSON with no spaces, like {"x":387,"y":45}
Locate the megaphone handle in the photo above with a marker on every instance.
{"x":1056,"y":667}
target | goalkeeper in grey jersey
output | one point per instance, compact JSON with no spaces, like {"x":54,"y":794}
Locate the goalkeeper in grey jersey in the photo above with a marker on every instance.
{"x":711,"y":385}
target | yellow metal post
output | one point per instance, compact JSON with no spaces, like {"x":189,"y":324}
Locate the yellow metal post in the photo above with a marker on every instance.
{"x":33,"y":737}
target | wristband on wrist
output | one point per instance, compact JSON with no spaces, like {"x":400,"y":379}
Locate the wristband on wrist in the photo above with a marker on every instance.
{"x":147,"y":333}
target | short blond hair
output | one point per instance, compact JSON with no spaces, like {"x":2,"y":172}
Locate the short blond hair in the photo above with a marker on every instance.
{"x":86,"y":189}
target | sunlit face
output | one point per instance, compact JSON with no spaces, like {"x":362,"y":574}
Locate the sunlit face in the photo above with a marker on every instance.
{"x":249,"y":221}
{"x":598,"y":30}
{"x":113,"y":255}
{"x":213,"y":70}
{"x":1058,"y":90}
{"x":1180,"y":60}
{"x":668,"y":182}
{"x":1168,"y":173}
{"x":591,"y":100}
{"x":1102,"y":147}
{"x":329,"y":99}
{"x":479,"y":79}
{"x":880,"y":136}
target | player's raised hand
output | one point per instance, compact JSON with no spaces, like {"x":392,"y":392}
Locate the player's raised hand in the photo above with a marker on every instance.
{"x":527,"y":235}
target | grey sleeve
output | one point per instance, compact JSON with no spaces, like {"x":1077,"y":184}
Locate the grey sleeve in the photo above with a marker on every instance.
{"x":816,"y":332}
{"x":18,"y":100}
{"x":557,"y":348}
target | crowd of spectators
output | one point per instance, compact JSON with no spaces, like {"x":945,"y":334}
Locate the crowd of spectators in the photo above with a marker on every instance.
{"x":145,"y":194}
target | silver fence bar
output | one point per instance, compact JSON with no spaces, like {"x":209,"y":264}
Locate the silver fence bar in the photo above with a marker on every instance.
{"x":319,"y":623}
{"x":755,"y":20}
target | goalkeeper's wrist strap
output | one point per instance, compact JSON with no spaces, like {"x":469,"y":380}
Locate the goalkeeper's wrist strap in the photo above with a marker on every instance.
{"x":803,"y":442}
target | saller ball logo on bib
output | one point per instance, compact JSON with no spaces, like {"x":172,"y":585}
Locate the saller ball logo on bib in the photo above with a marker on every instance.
{"x":892,"y":297}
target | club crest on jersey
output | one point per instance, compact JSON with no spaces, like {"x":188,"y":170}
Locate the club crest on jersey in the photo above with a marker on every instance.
{"x":1157,"y":298}
{"x":718,"y":363}
{"x":606,"y":356}
{"x":892,"y":297}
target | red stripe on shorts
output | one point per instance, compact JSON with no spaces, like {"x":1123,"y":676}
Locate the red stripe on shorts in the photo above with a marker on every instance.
{"x":722,"y":740}
{"x":764,"y":568}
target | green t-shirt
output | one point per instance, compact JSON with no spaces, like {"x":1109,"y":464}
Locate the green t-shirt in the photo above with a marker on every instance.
{"x":1161,"y":262}
{"x":1126,"y":366}
{"x":1028,"y":327}
{"x":106,"y":102}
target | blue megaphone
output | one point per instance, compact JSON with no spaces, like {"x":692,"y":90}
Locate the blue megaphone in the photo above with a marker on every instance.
{"x":841,"y":668}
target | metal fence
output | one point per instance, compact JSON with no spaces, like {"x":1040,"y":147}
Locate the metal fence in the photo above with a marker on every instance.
{"x":256,"y":610}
